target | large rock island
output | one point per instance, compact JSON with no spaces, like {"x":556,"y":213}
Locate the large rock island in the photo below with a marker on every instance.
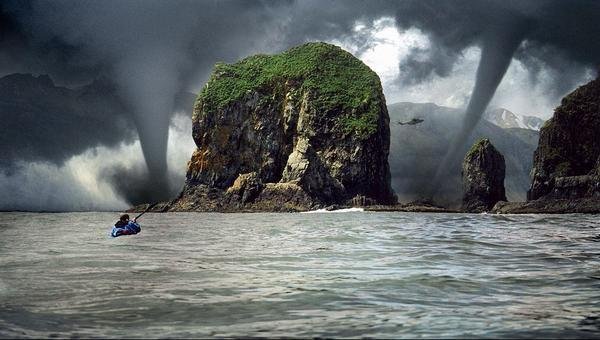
{"x":296,"y":131}
{"x":566,"y":164}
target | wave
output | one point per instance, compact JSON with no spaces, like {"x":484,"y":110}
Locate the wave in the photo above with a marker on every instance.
{"x":334,"y":211}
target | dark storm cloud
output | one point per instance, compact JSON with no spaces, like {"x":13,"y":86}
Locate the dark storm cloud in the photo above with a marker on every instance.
{"x":154,"y":49}
{"x":43,"y":122}
{"x":499,"y":28}
{"x":150,"y":49}
{"x":420,"y":65}
{"x":567,"y":27}
{"x":548,"y":60}
{"x":24,"y":51}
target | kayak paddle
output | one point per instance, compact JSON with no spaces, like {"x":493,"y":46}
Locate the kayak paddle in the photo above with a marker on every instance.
{"x":145,"y":211}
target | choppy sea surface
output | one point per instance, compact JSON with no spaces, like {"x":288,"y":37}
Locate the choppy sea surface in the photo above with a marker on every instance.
{"x":354,"y":274}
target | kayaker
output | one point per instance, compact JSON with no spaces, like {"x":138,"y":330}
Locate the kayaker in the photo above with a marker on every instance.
{"x":126,"y":227}
{"x":123,"y":221}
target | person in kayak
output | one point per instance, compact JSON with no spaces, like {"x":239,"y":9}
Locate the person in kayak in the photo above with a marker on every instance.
{"x":123,"y":221}
{"x":125,"y":227}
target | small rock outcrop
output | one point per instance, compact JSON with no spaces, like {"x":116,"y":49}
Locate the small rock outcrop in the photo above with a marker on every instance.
{"x":567,"y":161}
{"x":483,"y":173}
{"x":415,"y":152}
{"x":300,"y":130}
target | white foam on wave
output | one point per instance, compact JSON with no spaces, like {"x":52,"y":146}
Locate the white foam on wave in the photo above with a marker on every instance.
{"x":334,"y":211}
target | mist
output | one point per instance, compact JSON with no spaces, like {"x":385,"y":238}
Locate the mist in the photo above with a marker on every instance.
{"x":100,"y":179}
{"x":153,"y":50}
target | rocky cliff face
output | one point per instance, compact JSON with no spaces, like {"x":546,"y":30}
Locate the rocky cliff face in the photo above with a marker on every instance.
{"x":294,"y":131}
{"x":483,"y":177}
{"x":566,"y":162}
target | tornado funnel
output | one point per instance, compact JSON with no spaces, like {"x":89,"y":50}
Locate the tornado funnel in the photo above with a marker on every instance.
{"x":497,"y":49}
{"x":149,"y":81}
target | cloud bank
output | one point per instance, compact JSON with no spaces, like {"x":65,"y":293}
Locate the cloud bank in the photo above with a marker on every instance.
{"x":454,"y":52}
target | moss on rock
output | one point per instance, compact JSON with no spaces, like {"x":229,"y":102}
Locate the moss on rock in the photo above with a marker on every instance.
{"x":303,"y":129}
{"x":338,"y":81}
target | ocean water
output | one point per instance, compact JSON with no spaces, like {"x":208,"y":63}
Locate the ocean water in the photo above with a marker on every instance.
{"x":354,"y":274}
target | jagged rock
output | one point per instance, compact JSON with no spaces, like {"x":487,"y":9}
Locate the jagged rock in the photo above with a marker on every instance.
{"x":305,"y":168}
{"x":566,"y":168}
{"x":587,"y":205}
{"x":362,"y":201}
{"x":483,"y":177}
{"x":303,"y":129}
{"x":284,"y":197}
{"x":596,"y":170}
{"x":246,"y":187}
{"x":424,"y":202}
{"x":574,"y":187}
{"x":567,"y":159}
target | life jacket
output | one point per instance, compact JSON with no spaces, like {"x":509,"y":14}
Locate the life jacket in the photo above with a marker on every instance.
{"x":131,"y":228}
{"x":120,"y":224}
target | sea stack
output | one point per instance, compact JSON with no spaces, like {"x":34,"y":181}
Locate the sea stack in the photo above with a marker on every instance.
{"x":295,"y":131}
{"x":483,"y":173}
{"x":566,"y":163}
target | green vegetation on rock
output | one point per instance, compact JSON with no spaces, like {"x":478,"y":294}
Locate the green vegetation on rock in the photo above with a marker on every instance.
{"x":477,"y":146}
{"x":335,"y":79}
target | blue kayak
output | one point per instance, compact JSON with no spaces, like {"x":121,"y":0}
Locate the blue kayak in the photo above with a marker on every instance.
{"x":131,"y":228}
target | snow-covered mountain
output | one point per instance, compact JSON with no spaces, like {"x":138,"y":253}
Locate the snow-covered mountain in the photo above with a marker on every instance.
{"x":507,"y":119}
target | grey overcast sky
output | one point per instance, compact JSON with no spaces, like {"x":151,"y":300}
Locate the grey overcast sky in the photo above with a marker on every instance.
{"x":423,"y":50}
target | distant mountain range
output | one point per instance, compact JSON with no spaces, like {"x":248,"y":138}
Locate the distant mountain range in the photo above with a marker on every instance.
{"x":507,"y":119}
{"x":417,"y":149}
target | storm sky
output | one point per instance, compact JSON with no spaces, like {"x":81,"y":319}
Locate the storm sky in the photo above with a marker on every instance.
{"x":521,"y":55}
